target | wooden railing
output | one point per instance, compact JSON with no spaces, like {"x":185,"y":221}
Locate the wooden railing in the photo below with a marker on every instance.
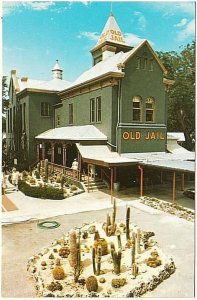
{"x":105,"y":176}
{"x":75,"y":174}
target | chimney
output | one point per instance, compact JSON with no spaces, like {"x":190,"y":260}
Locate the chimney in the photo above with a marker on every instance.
{"x":24,"y":79}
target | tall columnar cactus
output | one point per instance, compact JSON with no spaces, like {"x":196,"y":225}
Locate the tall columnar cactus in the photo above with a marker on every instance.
{"x":96,"y":260}
{"x":111,"y":222}
{"x":133,"y":249}
{"x":46,"y":170}
{"x":127,"y":223}
{"x":62,"y":181}
{"x":74,"y":257}
{"x":116,"y":257}
{"x":135,"y":269}
{"x":138,"y":240}
{"x":119,"y":240}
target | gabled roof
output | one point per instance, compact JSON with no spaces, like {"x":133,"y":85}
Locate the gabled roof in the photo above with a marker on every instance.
{"x":73,"y":133}
{"x":110,"y":65}
{"x":111,"y":32}
{"x":134,"y":50}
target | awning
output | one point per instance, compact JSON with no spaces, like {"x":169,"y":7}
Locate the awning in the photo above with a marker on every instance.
{"x":73,"y":133}
{"x":101,"y":155}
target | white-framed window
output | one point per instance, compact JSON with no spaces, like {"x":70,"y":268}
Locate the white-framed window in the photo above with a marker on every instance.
{"x":92,"y":110}
{"x":150,"y":105}
{"x":45,"y":109}
{"x":71,"y":113}
{"x":98,"y":109}
{"x":137,"y":103}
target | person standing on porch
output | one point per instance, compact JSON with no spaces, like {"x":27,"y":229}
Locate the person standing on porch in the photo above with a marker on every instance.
{"x":75,"y":167}
{"x":15,"y":178}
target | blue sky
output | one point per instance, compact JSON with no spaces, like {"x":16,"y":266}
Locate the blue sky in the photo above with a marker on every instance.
{"x":37,"y":33}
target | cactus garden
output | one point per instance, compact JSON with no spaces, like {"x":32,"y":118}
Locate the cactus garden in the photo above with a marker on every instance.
{"x":110,"y":259}
{"x":43,"y":182}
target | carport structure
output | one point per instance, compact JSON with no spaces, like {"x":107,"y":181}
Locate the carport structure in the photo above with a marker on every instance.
{"x":174,"y":164}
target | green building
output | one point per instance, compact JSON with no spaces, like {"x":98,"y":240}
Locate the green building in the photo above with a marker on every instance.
{"x":114,"y":111}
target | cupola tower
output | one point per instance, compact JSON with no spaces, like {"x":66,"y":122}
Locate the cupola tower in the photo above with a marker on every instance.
{"x":110,"y":42}
{"x":57,"y":71}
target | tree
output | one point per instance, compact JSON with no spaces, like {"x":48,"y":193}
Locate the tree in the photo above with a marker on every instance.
{"x":181,"y":98}
{"x":5,"y":101}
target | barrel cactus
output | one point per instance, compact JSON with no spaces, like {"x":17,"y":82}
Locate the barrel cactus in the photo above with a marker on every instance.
{"x":92,"y":284}
{"x":58,"y":273}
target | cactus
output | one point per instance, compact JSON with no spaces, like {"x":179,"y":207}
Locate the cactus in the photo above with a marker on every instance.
{"x":46,"y":169}
{"x":116,"y":257}
{"x":96,"y":235}
{"x":138,"y":240}
{"x":119,"y":240}
{"x":96,"y":258}
{"x":104,"y":245}
{"x":133,"y":249}
{"x":62,"y":181}
{"x":92,"y":284}
{"x":118,"y":282}
{"x":72,"y":258}
{"x":135,"y":269}
{"x":58,"y":273}
{"x":127,"y":224}
{"x":110,"y":227}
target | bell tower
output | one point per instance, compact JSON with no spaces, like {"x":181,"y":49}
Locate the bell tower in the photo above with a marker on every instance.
{"x":110,"y":42}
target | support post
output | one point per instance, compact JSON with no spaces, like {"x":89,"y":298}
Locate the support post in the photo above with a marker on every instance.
{"x":112,"y":175}
{"x":52,"y":153}
{"x":88,"y":178}
{"x":38,"y":151}
{"x":174,"y":188}
{"x":141,"y":180}
{"x":43,"y":151}
{"x":182,"y":182}
{"x":161,"y":177}
{"x":64,"y":154}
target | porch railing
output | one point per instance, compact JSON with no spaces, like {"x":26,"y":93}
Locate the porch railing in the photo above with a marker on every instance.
{"x":75,"y":174}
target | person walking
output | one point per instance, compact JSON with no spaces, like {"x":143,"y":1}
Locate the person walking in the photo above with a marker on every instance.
{"x":15,"y":178}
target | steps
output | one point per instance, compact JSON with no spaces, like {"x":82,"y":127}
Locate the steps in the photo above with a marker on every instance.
{"x":95,"y":184}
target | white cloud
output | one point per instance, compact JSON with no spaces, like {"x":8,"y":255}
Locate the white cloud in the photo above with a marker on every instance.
{"x":133,"y":39}
{"x":10,"y":7}
{"x":141,"y":22}
{"x":93,"y":36}
{"x":187,"y":32}
{"x":173,"y":8}
{"x":37,"y":5}
{"x":182,"y":23}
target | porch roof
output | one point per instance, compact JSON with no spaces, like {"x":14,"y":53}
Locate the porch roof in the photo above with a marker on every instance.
{"x":101,"y":155}
{"x":73,"y":133}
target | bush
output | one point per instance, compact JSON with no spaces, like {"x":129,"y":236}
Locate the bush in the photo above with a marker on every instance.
{"x":40,"y":192}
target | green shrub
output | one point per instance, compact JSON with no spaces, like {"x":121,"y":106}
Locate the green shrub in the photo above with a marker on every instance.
{"x":41,"y":192}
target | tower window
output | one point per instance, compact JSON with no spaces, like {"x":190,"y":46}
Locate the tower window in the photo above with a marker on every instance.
{"x":150,"y":109}
{"x":137,"y":108}
{"x":45,"y":109}
{"x":70,"y":110}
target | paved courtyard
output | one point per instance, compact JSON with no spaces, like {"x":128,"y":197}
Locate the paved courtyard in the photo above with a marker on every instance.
{"x":22,"y":240}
